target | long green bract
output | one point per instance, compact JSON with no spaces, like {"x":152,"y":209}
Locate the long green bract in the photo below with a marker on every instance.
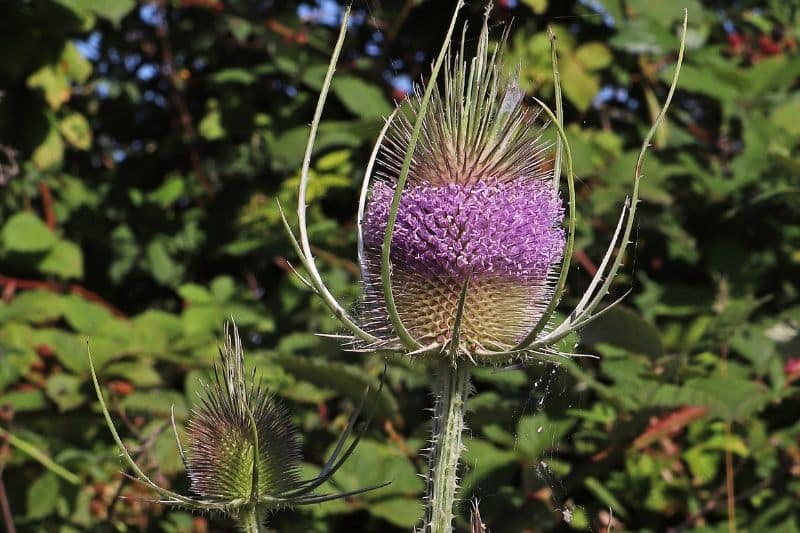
{"x":565,"y":263}
{"x":559,"y":107}
{"x":584,"y":315}
{"x":386,"y":268}
{"x":306,"y":256}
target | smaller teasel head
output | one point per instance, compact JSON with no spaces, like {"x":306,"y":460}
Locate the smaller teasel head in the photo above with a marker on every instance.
{"x":242,"y":451}
{"x":238,"y":431}
{"x":478,"y":214}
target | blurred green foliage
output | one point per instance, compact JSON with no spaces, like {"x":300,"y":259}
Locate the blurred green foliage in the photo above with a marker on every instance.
{"x":143,"y":145}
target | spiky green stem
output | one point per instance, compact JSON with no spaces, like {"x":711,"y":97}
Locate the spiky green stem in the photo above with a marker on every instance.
{"x":451,"y":388}
{"x":251,"y":520}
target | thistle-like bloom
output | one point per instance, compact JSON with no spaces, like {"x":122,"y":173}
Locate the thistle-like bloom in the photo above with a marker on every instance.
{"x":479,"y":209}
{"x":242,"y":452}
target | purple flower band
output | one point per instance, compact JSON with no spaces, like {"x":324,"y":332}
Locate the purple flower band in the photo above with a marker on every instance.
{"x":487,"y":229}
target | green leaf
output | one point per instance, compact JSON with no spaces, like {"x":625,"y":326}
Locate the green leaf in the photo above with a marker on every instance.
{"x":233,"y":75}
{"x":195,"y":294}
{"x":25,"y":232}
{"x":604,"y":495}
{"x":34,"y":306}
{"x":537,"y":433}
{"x":17,"y":359}
{"x":65,"y":260}
{"x":74,"y":64}
{"x":169,"y":191}
{"x":125,"y":252}
{"x":374,"y":463}
{"x":643,"y":36}
{"x":86,"y":317}
{"x":401,"y":512}
{"x":137,"y":372}
{"x":579,"y":86}
{"x":728,"y":398}
{"x":361,"y":98}
{"x":703,"y":464}
{"x":484,"y":459}
{"x":69,"y":349}
{"x":157,"y":402}
{"x":538,"y":6}
{"x":161,"y":265}
{"x":54,"y":79}
{"x":24,"y":401}
{"x":158,"y":328}
{"x":662,"y":12}
{"x":594,"y":56}
{"x":64,"y":390}
{"x":223,"y":288}
{"x":76,"y":131}
{"x":202,"y":320}
{"x":112,"y":10}
{"x":42,"y":496}
{"x":289,"y":147}
{"x":54,"y":84}
{"x":50,"y":153}
{"x":211,"y":127}
{"x":348,"y":380}
{"x":623,"y":327}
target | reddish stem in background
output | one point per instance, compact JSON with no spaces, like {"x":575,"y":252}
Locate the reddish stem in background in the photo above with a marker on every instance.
{"x":47,"y":205}
{"x":583,"y":259}
{"x":187,"y":124}
{"x":8,"y":520}
{"x":5,"y":450}
{"x":12,"y":284}
{"x":669,"y":424}
{"x":289,"y":35}
{"x":322,"y":412}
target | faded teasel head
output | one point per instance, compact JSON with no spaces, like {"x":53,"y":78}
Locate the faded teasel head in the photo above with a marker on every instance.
{"x":242,"y":451}
{"x":479,"y":210}
{"x":239,"y":426}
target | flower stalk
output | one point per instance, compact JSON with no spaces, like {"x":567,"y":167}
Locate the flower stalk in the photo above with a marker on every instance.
{"x":251,"y":521}
{"x":451,"y":389}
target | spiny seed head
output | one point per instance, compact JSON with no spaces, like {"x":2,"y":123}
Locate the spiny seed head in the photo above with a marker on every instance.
{"x":221,"y":434}
{"x":479,"y":207}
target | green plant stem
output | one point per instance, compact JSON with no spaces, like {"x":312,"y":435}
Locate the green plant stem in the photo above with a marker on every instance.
{"x":451,"y":388}
{"x":251,"y":520}
{"x":37,"y":455}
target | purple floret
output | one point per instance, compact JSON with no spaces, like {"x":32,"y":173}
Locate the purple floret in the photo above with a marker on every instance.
{"x":488,"y":229}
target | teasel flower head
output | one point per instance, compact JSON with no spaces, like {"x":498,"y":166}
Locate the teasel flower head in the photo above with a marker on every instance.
{"x":464,"y":240}
{"x":478,"y":210}
{"x":242,"y":451}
